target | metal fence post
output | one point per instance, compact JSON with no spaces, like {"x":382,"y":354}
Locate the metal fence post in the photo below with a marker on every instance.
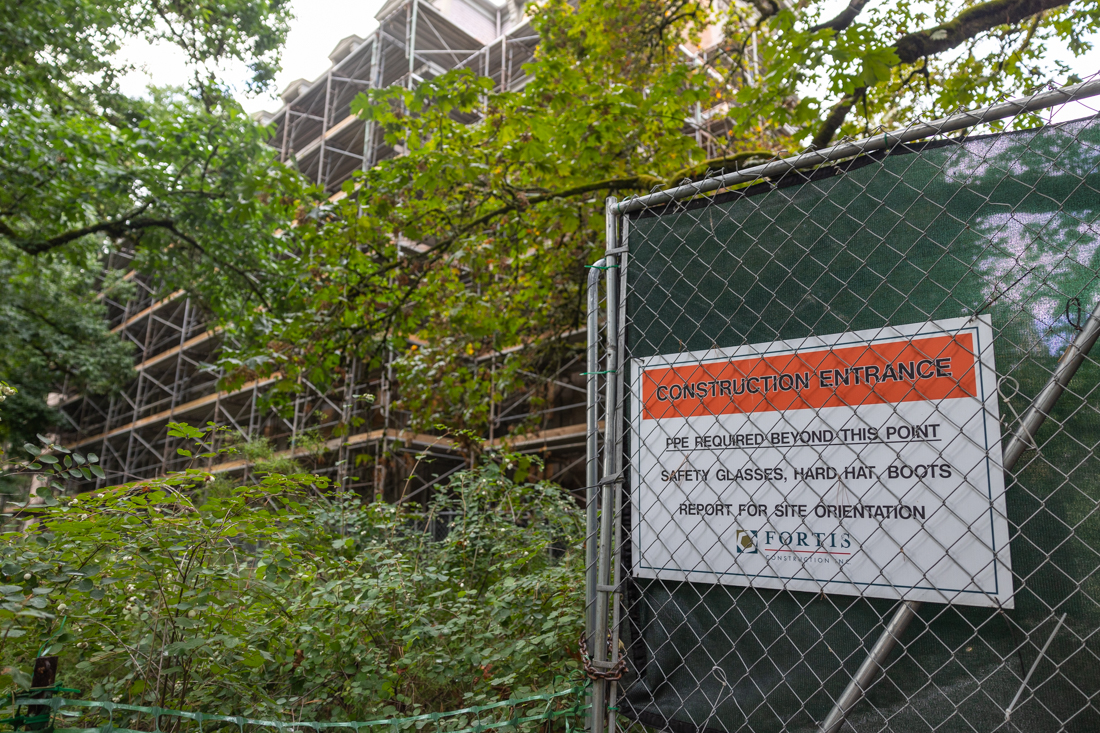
{"x":592,"y":466}
{"x":592,"y":473}
{"x":609,"y":483}
{"x":619,"y":238}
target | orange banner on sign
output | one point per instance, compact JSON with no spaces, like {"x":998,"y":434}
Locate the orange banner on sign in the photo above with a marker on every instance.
{"x":921,"y":368}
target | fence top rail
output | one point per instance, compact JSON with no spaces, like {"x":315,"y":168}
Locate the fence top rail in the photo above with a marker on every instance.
{"x":879,"y":141}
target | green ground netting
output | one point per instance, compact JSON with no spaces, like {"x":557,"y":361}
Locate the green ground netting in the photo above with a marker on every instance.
{"x":1003,"y":224}
{"x":554,"y":711}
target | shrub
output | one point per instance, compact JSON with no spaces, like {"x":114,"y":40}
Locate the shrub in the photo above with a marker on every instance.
{"x":255,"y":601}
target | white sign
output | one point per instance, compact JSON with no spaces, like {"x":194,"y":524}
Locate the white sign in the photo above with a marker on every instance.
{"x":864,"y":463}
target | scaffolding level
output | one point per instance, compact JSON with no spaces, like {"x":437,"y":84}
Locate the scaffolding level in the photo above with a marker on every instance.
{"x":414,"y":41}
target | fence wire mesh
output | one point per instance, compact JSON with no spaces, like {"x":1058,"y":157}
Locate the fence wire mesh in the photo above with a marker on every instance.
{"x":849,"y":474}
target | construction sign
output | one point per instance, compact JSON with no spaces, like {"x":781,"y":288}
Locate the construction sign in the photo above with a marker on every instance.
{"x":864,"y":463}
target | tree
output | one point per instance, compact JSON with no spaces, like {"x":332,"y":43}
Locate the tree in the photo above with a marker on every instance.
{"x":477,"y":237}
{"x":182,"y":178}
{"x":885,"y":63}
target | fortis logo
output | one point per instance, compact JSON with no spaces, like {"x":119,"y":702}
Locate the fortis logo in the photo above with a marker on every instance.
{"x":746,"y":541}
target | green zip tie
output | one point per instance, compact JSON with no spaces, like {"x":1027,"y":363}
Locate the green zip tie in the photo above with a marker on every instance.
{"x":601,"y":267}
{"x":609,"y":371}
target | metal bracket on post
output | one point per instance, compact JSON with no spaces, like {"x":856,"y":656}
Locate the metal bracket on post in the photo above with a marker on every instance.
{"x":1022,"y":439}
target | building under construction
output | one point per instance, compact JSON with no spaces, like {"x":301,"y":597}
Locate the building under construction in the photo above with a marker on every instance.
{"x":361,"y":443}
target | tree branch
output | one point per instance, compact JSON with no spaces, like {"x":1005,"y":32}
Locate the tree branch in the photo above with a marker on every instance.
{"x":843,"y":19}
{"x":120,"y":227}
{"x":768,"y":8}
{"x":640,"y":181}
{"x":832,"y":123}
{"x":718,"y":163}
{"x":116,"y":228}
{"x":912,"y":47}
{"x":252,"y":284}
{"x":968,"y":24}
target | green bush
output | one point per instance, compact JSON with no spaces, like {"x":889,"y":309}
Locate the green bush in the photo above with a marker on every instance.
{"x":256,"y":601}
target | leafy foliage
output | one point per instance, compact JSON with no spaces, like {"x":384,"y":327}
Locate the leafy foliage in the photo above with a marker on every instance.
{"x":504,"y":248}
{"x":256,"y":601}
{"x":182,"y":177}
{"x":54,"y":328}
{"x":6,"y":391}
{"x":475,"y":239}
{"x":886,"y":63}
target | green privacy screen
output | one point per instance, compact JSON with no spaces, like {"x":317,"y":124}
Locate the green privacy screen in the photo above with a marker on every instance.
{"x":988,"y":244}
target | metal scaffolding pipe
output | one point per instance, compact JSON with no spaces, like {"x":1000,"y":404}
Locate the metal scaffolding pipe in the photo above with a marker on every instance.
{"x":412,"y":41}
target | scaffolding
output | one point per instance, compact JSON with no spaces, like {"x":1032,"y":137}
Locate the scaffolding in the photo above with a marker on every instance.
{"x":363,"y":445}
{"x":414,"y":41}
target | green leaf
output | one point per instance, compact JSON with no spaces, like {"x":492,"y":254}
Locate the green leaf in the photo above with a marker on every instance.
{"x":32,"y":449}
{"x":183,"y":430}
{"x":97,"y":471}
{"x":877,"y":65}
{"x":46,"y":458}
{"x":252,"y":658}
{"x":18,"y":676}
{"x":32,"y":612}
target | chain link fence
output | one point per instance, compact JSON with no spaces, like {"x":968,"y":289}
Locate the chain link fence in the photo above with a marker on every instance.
{"x":843,"y":438}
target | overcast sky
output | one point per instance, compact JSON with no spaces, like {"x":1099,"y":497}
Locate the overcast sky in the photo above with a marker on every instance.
{"x":320,"y":24}
{"x":317,"y":28}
